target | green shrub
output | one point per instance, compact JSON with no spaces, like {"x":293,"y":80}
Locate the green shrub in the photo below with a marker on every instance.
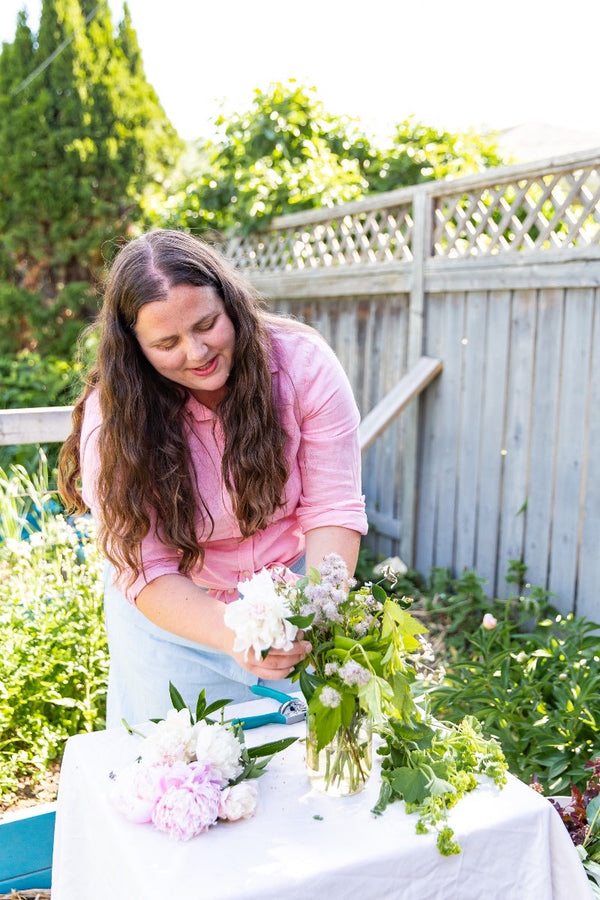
{"x":532,"y":677}
{"x":53,"y":668}
{"x":28,"y":380}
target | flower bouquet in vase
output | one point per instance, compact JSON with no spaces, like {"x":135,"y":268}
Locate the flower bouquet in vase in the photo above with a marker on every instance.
{"x":358,"y":673}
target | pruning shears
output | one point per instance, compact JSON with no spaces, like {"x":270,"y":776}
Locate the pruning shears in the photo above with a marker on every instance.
{"x":291,"y":710}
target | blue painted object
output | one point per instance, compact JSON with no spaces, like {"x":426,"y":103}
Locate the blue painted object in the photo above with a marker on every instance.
{"x":26,"y":845}
{"x":291,"y":709}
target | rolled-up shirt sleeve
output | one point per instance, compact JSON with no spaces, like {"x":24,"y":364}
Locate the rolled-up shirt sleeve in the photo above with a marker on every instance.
{"x":329,"y":453}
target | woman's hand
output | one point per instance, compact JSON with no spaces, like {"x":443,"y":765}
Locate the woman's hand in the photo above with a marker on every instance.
{"x":175,"y":603}
{"x":276,"y":664}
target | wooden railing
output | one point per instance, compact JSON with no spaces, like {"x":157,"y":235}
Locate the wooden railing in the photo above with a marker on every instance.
{"x":46,"y":424}
{"x":39,"y":425}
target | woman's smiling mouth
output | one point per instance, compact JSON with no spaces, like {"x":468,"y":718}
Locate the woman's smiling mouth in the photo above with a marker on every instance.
{"x":207,"y":369}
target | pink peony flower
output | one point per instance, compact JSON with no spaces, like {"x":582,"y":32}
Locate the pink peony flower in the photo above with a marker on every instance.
{"x":238,"y":801}
{"x":136,"y":789}
{"x":190,"y":802}
{"x":489,"y":622}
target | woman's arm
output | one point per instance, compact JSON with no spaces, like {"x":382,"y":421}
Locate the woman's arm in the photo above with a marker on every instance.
{"x":176,"y":604}
{"x":332,"y":539}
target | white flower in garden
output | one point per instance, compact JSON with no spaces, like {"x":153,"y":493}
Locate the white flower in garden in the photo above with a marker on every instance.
{"x":238,"y":801}
{"x":172,"y":739}
{"x":489,"y":622}
{"x":218,"y":747}
{"x":258,"y":618}
{"x":330,"y":697}
{"x":393,"y":566}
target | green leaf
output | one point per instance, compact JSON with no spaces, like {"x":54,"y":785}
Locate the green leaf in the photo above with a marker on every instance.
{"x":308,"y":684}
{"x":348,"y":707}
{"x":410,"y":783}
{"x":271,"y":748}
{"x":301,"y":622}
{"x":439,"y":786}
{"x":201,"y":711}
{"x":212,"y":708}
{"x":378,"y":593}
{"x":176,"y":698}
{"x":412,"y":730}
{"x":385,"y":797}
{"x":326,"y":720}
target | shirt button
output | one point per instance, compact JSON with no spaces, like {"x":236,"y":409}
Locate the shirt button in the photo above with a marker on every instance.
{"x":245,"y":575}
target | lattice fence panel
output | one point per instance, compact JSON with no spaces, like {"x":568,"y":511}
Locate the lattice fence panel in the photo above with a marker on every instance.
{"x":360,"y":238}
{"x":546,"y":211}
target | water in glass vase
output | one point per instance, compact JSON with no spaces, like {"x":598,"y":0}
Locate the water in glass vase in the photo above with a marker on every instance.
{"x":343,"y":766}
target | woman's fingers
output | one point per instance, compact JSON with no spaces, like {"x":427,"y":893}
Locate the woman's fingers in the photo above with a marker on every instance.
{"x":277,"y":663}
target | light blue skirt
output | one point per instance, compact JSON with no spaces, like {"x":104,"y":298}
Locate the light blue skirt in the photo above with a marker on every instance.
{"x":144,"y":659}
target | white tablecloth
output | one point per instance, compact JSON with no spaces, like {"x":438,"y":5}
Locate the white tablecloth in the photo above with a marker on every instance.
{"x":302,"y":845}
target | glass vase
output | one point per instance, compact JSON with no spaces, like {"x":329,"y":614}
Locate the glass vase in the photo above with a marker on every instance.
{"x":343,"y":766}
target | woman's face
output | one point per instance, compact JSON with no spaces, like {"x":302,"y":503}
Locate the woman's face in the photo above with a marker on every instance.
{"x":189,"y":338}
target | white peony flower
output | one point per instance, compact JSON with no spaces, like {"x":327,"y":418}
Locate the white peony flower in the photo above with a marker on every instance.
{"x":258,"y":618}
{"x":218,"y":747}
{"x":238,"y":801}
{"x":489,"y":622}
{"x":173,"y":739}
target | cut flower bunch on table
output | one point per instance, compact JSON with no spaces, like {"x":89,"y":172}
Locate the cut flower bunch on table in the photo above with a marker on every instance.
{"x":192,"y":774}
{"x":366,"y":652}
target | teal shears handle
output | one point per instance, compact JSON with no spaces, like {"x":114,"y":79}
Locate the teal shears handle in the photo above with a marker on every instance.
{"x":265,"y":691}
{"x":274,"y":718}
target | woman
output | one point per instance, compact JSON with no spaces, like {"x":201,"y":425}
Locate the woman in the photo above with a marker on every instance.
{"x":211,"y":440}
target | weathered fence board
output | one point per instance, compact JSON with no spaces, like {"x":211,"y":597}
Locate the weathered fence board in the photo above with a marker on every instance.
{"x":469,"y":457}
{"x":569,"y":484}
{"x":544,"y":428}
{"x":515,"y":448}
{"x":493,"y":385}
{"x":589,"y":556}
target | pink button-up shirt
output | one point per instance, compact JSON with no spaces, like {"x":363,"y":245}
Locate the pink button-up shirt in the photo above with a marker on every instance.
{"x":320,"y":417}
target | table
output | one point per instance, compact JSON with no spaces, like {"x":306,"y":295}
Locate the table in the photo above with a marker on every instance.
{"x":301,"y":844}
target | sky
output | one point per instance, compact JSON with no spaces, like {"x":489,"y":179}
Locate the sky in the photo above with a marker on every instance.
{"x":452,"y":64}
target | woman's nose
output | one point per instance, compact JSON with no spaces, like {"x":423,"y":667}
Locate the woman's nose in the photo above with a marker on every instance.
{"x":196,"y":346}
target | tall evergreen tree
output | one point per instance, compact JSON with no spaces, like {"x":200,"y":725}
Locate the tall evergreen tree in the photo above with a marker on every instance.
{"x":83,"y":135}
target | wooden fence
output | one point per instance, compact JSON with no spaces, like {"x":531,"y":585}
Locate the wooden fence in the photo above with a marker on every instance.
{"x":497,"y":276}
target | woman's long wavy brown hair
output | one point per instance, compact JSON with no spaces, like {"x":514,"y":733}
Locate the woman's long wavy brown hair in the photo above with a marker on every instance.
{"x":146,"y":474}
